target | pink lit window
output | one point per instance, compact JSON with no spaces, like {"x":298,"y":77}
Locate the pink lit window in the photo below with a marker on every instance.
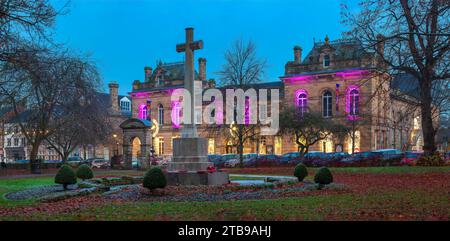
{"x":302,"y":102}
{"x":247,"y":110}
{"x":354,"y":102}
{"x":143,"y":112}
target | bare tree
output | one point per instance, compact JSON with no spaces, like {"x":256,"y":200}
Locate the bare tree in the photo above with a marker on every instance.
{"x":242,"y":68}
{"x":410,"y":36}
{"x":23,"y":19}
{"x":308,"y":128}
{"x":41,"y":87}
{"x":82,"y":124}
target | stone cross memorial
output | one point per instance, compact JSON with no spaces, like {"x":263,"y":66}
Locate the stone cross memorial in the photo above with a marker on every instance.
{"x":190,"y":152}
{"x":190,"y":130}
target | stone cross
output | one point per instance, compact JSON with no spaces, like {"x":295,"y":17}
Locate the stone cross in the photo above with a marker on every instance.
{"x":189,"y":130}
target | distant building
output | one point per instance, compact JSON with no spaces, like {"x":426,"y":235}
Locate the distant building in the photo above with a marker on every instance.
{"x":336,"y":78}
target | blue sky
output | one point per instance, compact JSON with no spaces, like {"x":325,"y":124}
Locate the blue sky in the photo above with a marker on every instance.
{"x":123,"y":36}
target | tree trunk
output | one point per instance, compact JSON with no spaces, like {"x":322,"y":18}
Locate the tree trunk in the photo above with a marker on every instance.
{"x":65,"y":157}
{"x":429,"y":146}
{"x":33,"y":157}
{"x":241,"y":154}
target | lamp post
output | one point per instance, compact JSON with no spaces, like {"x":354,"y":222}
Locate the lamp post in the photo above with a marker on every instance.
{"x":116,"y":151}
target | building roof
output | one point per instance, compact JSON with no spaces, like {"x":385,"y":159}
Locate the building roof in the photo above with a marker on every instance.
{"x":406,"y":84}
{"x":341,"y":49}
{"x":171,"y":71}
{"x":105,"y":99}
{"x":161,"y":88}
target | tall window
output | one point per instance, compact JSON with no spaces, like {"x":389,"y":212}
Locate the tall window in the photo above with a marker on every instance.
{"x":211,"y":146}
{"x":247,"y":111}
{"x":326,"y":60}
{"x":143,"y":112}
{"x":176,"y":115}
{"x":354,"y":102}
{"x":302,"y":102}
{"x":161,"y":146}
{"x":327,"y":104}
{"x":125,"y":105}
{"x":161,"y":114}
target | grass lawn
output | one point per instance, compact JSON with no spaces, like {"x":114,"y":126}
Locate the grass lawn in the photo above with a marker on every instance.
{"x":376,"y":193}
{"x":12,"y":185}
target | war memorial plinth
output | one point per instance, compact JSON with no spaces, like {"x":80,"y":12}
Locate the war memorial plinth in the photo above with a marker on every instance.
{"x":189,"y":165}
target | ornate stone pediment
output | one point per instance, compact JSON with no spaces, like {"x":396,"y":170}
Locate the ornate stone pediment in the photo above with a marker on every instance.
{"x":135,"y":123}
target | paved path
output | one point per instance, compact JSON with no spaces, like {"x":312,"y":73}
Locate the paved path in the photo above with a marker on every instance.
{"x":261,"y":176}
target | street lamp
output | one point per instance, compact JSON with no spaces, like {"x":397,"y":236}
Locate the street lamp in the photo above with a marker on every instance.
{"x":117,"y":144}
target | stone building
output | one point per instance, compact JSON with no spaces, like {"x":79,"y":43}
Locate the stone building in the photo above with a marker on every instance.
{"x":336,"y":78}
{"x":341,"y":80}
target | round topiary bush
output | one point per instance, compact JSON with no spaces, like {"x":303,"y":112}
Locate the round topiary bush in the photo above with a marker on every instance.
{"x":84,"y":172}
{"x":65,"y":176}
{"x":154,"y":178}
{"x":323,"y":177}
{"x":300,"y":172}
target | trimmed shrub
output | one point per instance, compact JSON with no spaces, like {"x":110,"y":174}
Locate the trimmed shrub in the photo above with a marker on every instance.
{"x":154,"y":178}
{"x":323,"y":177}
{"x":431,"y":160}
{"x":84,"y":172}
{"x":65,"y":176}
{"x":300,"y":172}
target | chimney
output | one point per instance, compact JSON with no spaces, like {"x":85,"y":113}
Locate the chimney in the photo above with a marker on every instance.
{"x":114,"y":95}
{"x":298,"y":54}
{"x":136,"y":84}
{"x":148,"y":73}
{"x":202,"y":69}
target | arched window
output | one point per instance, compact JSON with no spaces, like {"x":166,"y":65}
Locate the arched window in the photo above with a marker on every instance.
{"x":161,"y":114}
{"x":354,"y":102}
{"x":327,"y":104}
{"x":176,"y":115}
{"x":326,"y":60}
{"x":143,"y":112}
{"x":302,"y":102}
{"x":125,"y":104}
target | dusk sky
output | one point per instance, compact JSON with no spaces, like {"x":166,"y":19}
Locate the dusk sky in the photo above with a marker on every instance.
{"x":123,"y":36}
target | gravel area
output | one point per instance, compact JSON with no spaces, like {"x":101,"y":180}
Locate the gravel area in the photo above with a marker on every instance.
{"x":38,"y":192}
{"x":138,"y":193}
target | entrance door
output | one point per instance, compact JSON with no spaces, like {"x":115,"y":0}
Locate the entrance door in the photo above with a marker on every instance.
{"x":136,"y":149}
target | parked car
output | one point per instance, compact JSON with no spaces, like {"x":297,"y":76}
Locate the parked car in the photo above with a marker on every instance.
{"x":337,"y":155}
{"x":75,"y":160}
{"x":390,"y":153}
{"x":410,"y":157}
{"x":312,"y":154}
{"x":231,"y":163}
{"x":361,"y":156}
{"x":99,"y":163}
{"x":22,"y":161}
{"x":53,"y":161}
{"x":224,"y":158}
